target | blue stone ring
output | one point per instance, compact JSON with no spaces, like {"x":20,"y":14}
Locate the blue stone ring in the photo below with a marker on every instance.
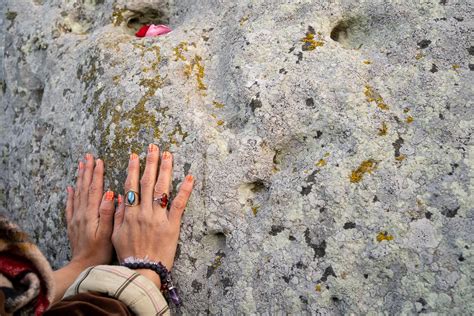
{"x":132,"y":198}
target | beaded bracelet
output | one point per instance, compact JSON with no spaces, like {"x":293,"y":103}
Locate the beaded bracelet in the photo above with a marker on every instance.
{"x":165,"y":276}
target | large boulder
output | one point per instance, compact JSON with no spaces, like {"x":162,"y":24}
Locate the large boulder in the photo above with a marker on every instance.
{"x":330,"y":141}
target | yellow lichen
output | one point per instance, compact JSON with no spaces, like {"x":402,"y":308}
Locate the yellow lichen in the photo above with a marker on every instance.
{"x":367,"y":62}
{"x":318,"y":287}
{"x":383,"y":129}
{"x":117,"y":16}
{"x":409,"y":119}
{"x":381,"y":236}
{"x":255,"y":209}
{"x":218,"y":105}
{"x":178,"y":51}
{"x":366,"y":166}
{"x":321,"y":163}
{"x":196,"y":66}
{"x":400,"y":158}
{"x":456,"y":66}
{"x":373,"y":96}
{"x":177,"y":131}
{"x":406,"y":110}
{"x":419,"y":56}
{"x":243,"y":20}
{"x":217,"y":262}
{"x":311,"y":42}
{"x":326,"y":155}
{"x":116,"y":79}
{"x":220,"y":122}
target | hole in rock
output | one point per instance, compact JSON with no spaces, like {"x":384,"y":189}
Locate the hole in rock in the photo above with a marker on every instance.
{"x":133,"y":18}
{"x":370,"y":32}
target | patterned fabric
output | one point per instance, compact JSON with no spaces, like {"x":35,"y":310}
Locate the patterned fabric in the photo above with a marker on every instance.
{"x":140,"y":294}
{"x":26,"y":278}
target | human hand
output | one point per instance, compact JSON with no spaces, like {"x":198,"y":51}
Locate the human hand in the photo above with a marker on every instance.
{"x":89,"y":215}
{"x":89,"y":218}
{"x":148,"y":229}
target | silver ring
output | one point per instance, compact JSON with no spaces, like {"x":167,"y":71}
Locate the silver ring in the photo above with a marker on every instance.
{"x":132,"y":198}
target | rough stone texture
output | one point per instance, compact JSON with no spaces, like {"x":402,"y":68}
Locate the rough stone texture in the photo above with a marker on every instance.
{"x":331,"y":141}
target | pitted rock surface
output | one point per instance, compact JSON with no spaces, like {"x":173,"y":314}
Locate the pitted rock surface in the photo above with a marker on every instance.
{"x":331,"y":142}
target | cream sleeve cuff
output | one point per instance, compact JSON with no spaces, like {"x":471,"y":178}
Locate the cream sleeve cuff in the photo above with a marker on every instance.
{"x":140,"y":294}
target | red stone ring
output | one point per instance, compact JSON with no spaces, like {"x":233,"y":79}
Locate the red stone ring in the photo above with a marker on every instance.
{"x":163,"y":200}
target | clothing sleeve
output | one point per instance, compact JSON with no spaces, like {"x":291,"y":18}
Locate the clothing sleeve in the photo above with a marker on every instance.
{"x":105,"y":284}
{"x":89,"y":304}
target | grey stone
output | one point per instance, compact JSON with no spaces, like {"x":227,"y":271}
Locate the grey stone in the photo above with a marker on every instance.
{"x":296,"y":117}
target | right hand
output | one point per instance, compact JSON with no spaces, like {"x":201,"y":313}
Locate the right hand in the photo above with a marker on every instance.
{"x":149,"y":230}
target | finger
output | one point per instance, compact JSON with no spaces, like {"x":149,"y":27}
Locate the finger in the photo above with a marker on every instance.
{"x":87,"y":178}
{"x":119,"y":212}
{"x":131,"y":184}
{"x":164,"y":178}
{"x":106,"y":215}
{"x":69,"y":205}
{"x":77,"y":191}
{"x":180,"y":201}
{"x":149,"y":177}
{"x":96,"y":188}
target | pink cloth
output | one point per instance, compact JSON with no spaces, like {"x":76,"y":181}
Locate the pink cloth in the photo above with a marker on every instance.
{"x":152,"y":30}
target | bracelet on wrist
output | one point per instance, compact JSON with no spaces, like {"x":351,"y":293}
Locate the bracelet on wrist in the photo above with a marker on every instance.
{"x":165,"y":276}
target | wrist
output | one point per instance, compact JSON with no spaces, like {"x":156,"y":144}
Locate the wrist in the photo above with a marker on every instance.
{"x":150,"y":275}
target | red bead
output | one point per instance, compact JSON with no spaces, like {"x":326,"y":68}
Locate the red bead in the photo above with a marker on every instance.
{"x":164,"y":200}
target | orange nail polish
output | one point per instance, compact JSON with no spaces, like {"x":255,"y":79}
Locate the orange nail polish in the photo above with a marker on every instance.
{"x":133,"y":156}
{"x":109,"y":195}
{"x":189,"y":178}
{"x":120,"y":199}
{"x":166,"y":155}
{"x":81,"y":165}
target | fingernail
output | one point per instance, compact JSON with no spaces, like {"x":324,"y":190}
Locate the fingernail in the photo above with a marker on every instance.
{"x":133,"y":156}
{"x":81,"y":165}
{"x":68,"y":189}
{"x":152,"y":148}
{"x":109,"y":195}
{"x":120,"y":199}
{"x":189,"y":178}
{"x":166,"y":155}
{"x":88,"y":156}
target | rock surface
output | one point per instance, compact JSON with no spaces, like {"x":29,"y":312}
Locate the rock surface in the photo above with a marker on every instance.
{"x":331,"y":142}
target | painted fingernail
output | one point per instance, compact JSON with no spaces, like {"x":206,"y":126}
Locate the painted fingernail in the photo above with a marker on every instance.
{"x":88,"y":156}
{"x":166,"y":155}
{"x":120,"y":199}
{"x":81,"y":165}
{"x":68,"y":189}
{"x":133,"y":156}
{"x":109,"y":195}
{"x":189,"y":178}
{"x":152,"y":148}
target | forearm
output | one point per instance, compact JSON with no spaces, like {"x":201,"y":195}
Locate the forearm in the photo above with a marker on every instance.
{"x":64,"y":277}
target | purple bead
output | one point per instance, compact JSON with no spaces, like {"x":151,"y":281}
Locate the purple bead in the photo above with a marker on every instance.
{"x":173,"y":295}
